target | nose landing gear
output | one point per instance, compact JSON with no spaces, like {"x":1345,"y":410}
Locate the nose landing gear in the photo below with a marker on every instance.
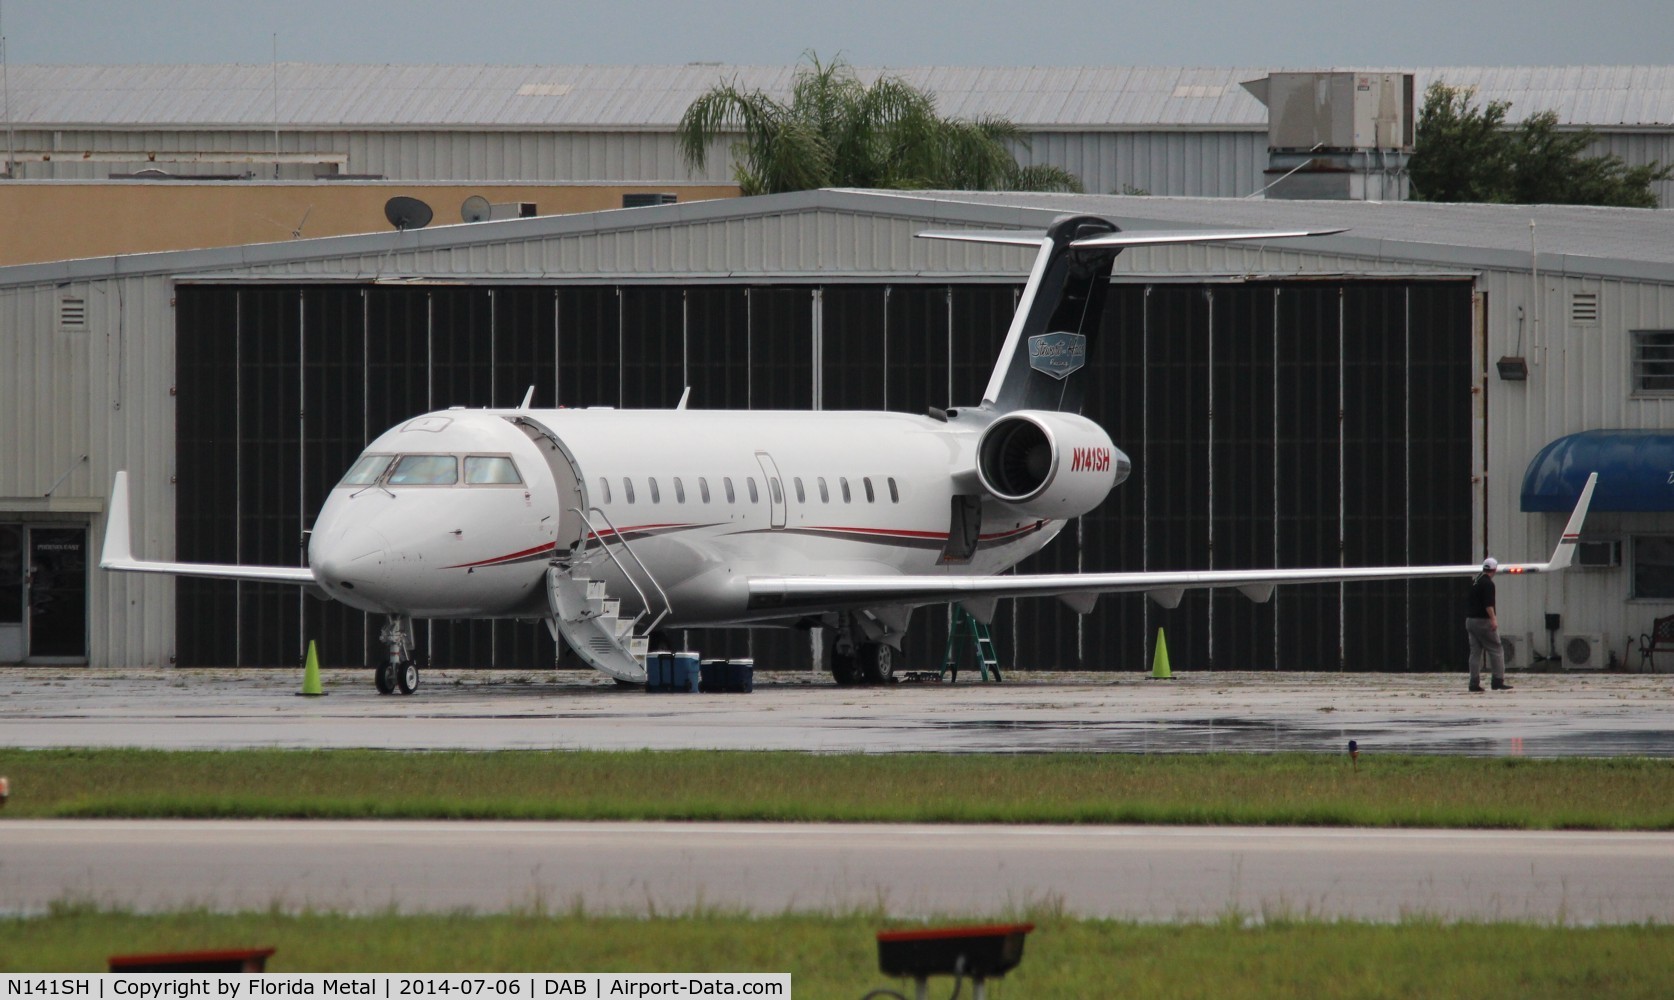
{"x":399,"y":673}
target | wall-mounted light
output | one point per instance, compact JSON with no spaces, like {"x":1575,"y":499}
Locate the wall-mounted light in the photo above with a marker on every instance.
{"x":1513,"y":369}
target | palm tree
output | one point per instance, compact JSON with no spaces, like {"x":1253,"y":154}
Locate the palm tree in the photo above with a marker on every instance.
{"x":839,"y":132}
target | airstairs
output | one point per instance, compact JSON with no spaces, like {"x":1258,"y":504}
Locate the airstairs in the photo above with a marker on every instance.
{"x":587,"y":619}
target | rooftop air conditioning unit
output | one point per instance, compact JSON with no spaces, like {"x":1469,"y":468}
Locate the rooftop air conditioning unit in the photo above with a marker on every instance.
{"x":1582,"y":651}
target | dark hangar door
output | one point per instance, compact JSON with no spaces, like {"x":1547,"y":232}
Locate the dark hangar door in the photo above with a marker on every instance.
{"x":1272,"y":423}
{"x":1285,"y":424}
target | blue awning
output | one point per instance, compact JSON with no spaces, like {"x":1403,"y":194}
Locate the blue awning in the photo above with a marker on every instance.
{"x":1635,"y":472}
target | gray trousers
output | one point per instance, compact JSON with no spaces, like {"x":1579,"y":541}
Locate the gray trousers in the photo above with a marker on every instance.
{"x":1485,"y":641}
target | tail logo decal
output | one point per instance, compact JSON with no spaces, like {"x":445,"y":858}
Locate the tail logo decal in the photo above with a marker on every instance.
{"x":1059,"y":355}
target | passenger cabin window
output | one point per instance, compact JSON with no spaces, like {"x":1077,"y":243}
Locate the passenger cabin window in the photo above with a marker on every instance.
{"x":604,"y":488}
{"x":366,"y":470}
{"x":679,"y":490}
{"x":656,"y":497}
{"x":894,"y":494}
{"x":727,"y":482}
{"x":843,"y":483}
{"x":628,"y":489}
{"x":703,"y":488}
{"x":801,"y":497}
{"x":425,"y":470}
{"x":775,"y":490}
{"x":825,"y":494}
{"x":870,"y":497}
{"x":751,"y":483}
{"x":491,"y":470}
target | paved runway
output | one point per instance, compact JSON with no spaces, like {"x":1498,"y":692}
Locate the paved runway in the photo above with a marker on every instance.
{"x":1547,"y":714}
{"x":1142,"y":873}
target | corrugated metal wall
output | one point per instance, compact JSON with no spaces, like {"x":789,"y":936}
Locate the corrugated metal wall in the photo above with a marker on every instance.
{"x":1580,"y":378}
{"x":86,"y":399}
{"x":1180,"y":163}
{"x":1185,"y":163}
{"x":592,"y":157}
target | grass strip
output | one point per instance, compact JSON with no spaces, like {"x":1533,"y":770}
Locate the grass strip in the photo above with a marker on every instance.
{"x":835,"y":956}
{"x":1244,"y":789}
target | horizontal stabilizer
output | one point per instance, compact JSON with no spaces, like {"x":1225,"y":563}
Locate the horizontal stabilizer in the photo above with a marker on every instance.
{"x":1015,"y":239}
{"x":1144,"y":238}
{"x":1126,"y":238}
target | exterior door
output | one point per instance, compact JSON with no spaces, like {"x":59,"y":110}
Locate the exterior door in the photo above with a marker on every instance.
{"x":776,"y":499}
{"x":56,"y":581}
{"x":14,"y":642}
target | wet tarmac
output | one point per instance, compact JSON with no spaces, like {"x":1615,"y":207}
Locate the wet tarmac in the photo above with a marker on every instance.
{"x":1547,"y":715}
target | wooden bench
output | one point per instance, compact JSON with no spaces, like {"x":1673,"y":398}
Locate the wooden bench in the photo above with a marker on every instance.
{"x":1659,"y":640}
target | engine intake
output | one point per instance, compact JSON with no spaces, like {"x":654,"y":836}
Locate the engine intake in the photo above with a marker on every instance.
{"x":1049,"y":465}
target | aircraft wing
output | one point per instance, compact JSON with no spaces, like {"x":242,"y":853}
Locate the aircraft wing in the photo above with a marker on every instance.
{"x":118,"y":552}
{"x":1079,"y":590}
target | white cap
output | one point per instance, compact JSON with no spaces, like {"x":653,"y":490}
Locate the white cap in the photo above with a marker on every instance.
{"x":1490,"y":564}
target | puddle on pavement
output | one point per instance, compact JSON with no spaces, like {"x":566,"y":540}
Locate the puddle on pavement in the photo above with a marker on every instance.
{"x":1455,"y":737}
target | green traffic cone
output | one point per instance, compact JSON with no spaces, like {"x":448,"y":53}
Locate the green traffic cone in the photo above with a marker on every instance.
{"x":1159,"y":660}
{"x":311,"y":674}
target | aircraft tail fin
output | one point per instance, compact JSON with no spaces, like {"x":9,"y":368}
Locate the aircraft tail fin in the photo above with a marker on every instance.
{"x":1062,"y":306}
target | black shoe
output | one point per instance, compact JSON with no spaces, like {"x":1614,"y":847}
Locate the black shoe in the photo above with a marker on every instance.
{"x":1500,"y":686}
{"x":1476,"y":688}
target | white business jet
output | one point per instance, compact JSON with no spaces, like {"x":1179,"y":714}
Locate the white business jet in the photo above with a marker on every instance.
{"x":607,"y":524}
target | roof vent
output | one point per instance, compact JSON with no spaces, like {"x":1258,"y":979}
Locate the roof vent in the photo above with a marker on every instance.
{"x":72,"y":314}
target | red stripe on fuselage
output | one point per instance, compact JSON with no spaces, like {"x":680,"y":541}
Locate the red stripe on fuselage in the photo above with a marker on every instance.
{"x":509,"y":557}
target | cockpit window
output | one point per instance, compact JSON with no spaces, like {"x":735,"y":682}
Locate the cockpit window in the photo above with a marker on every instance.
{"x":425,"y":470}
{"x":367,"y":470}
{"x":490,"y":470}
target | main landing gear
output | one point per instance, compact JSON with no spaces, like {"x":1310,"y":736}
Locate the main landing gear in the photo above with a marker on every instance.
{"x":399,"y":673}
{"x":861,"y":663}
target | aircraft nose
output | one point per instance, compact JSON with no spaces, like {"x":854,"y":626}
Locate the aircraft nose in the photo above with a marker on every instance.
{"x":349,"y":558}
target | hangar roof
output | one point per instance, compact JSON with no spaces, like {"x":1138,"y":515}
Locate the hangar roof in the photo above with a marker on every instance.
{"x":1566,"y":236}
{"x":339,"y":96}
{"x":1635,"y":244}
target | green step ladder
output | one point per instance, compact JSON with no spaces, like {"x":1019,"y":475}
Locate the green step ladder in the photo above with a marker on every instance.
{"x":964,"y":626}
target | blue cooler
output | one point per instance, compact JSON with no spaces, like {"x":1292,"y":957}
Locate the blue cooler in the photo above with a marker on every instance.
{"x":710,"y":675}
{"x":656,"y":671}
{"x":741,"y":676}
{"x":685,"y":680}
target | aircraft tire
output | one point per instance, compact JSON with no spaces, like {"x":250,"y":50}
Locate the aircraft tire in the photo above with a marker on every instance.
{"x":384,"y":677}
{"x":407,"y":677}
{"x":877,"y":663}
{"x":845,"y":670}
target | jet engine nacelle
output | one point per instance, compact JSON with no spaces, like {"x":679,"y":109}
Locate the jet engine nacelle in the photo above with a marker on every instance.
{"x":1048,"y":465}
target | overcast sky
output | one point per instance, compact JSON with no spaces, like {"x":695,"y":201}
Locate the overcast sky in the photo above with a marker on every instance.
{"x":1291,"y":33}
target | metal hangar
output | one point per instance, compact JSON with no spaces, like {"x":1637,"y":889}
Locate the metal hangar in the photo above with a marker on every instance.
{"x":1341,"y":401}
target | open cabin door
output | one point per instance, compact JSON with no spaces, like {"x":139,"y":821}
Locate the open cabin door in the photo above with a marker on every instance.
{"x":566,"y":476}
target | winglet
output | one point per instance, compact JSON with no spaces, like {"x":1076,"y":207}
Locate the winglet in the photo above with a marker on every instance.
{"x":119,"y":546}
{"x":1564,"y":554}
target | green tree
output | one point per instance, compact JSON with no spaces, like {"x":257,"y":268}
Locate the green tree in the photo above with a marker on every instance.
{"x":1469,"y":153}
{"x":839,"y":132}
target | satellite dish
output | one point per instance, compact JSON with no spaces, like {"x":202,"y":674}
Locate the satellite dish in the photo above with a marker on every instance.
{"x":407,"y":213}
{"x":475,"y":209}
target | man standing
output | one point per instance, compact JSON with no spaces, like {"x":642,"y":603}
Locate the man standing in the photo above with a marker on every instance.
{"x":1482,"y":627}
